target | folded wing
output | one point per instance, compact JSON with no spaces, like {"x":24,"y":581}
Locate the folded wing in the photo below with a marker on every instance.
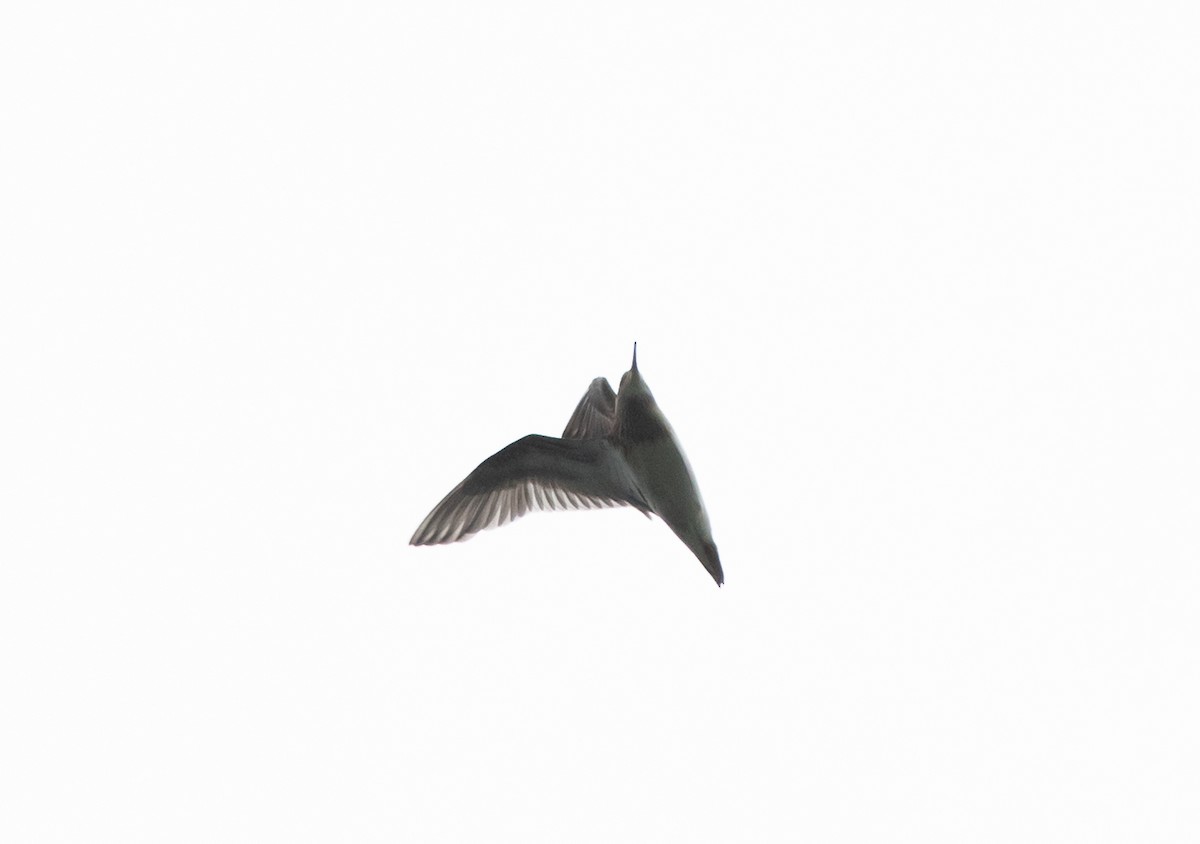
{"x":534,"y":473}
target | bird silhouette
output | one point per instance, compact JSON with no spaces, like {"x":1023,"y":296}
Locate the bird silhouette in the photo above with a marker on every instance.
{"x":617,"y":450}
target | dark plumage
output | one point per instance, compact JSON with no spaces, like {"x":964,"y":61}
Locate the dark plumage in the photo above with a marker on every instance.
{"x":617,"y":449}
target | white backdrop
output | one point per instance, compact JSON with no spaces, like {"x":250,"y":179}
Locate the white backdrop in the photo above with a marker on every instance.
{"x":917,"y":286}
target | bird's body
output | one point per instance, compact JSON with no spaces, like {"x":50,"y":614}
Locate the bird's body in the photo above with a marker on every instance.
{"x":617,"y":450}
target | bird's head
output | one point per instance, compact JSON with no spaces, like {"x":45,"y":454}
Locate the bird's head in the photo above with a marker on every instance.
{"x":634,"y":389}
{"x":631,"y":381}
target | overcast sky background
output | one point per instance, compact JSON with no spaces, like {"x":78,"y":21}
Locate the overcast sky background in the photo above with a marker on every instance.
{"x":916,"y":285}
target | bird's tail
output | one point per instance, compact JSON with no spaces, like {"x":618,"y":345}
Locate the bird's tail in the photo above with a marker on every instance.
{"x":712,"y":561}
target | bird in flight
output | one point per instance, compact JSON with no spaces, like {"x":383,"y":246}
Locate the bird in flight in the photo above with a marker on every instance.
{"x":618,"y":449}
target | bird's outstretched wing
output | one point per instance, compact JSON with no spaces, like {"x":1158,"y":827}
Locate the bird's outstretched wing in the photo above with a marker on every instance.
{"x":595,"y":414}
{"x":534,"y":473}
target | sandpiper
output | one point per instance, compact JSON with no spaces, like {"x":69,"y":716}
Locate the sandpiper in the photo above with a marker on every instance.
{"x":617,"y":450}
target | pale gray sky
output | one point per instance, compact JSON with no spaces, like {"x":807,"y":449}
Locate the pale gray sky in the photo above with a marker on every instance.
{"x":916,"y":285}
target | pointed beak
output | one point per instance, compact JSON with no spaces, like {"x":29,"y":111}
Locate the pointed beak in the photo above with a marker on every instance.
{"x":635,"y":369}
